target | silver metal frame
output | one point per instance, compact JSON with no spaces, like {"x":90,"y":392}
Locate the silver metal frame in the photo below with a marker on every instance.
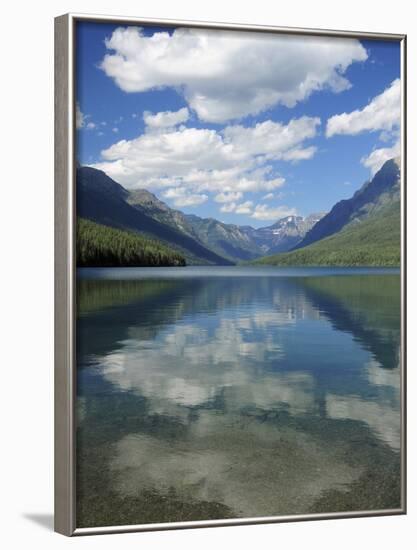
{"x":65,"y":367}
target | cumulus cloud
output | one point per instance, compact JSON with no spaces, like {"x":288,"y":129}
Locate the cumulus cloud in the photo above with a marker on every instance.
{"x":378,"y":157}
{"x":244,"y":207}
{"x":79,"y":117}
{"x":196,"y":161}
{"x":226,"y":75}
{"x":174,"y":193}
{"x":260,"y":211}
{"x":227,"y":208}
{"x":264,"y":212}
{"x":382,"y":113}
{"x":181,"y":198}
{"x":275,"y":140}
{"x":81,"y":120}
{"x":268,"y":197}
{"x":190,"y":200}
{"x":228,"y":197}
{"x":166,"y":119}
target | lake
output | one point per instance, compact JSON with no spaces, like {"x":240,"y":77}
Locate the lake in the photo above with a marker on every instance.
{"x":235,"y":392}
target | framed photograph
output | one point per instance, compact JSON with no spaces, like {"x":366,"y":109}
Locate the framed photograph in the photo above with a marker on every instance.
{"x":230,"y":282}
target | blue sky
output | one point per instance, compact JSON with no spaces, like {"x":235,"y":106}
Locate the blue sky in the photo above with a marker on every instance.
{"x":250,"y":127}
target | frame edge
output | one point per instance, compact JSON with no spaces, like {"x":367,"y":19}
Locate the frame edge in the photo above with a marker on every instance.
{"x":222,"y":25}
{"x":64,"y":517}
{"x":404,"y":276}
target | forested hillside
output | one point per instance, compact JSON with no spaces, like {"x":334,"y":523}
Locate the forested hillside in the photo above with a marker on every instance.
{"x":372,"y":242}
{"x":102,"y":246}
{"x":103,"y":201}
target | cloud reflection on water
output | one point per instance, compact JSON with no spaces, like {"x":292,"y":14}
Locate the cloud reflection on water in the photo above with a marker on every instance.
{"x":259,"y":376}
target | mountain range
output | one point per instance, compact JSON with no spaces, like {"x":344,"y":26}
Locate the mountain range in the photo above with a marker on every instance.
{"x":201,"y":240}
{"x":318,"y":239}
{"x":363,"y":230}
{"x":103,"y":201}
{"x":284,"y":234}
{"x":234,"y":242}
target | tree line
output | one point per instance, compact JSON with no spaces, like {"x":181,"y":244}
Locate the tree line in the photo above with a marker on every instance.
{"x":102,"y":246}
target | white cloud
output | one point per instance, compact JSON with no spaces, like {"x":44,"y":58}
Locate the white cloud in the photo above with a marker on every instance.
{"x":228,"y":197}
{"x":383,"y":113}
{"x":378,"y":157}
{"x":264,"y":212}
{"x":181,"y":198}
{"x":81,"y":120}
{"x":260,"y":212}
{"x":174,"y":193}
{"x":275,"y":140}
{"x":190,"y":200}
{"x":115,"y":130}
{"x":79,"y":117}
{"x":227,"y":163}
{"x":227,"y":208}
{"x":226,"y":75}
{"x":166,"y":119}
{"x":244,"y":208}
{"x":268,"y":197}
